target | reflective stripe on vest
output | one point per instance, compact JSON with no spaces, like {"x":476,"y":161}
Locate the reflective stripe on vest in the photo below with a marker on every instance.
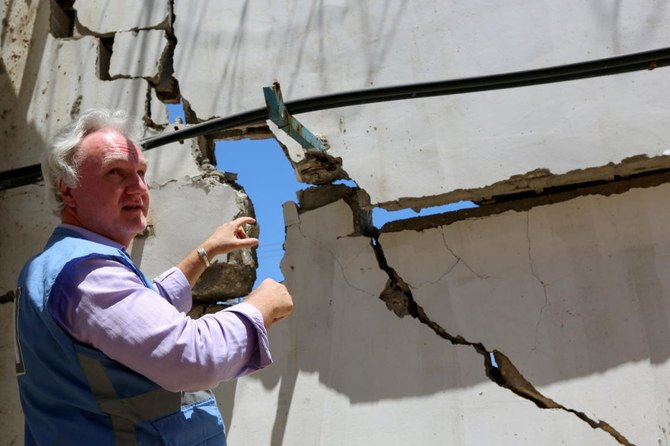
{"x":126,"y":412}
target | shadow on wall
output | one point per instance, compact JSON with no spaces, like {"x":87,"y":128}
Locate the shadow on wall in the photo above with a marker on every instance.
{"x":22,"y":142}
{"x":605,"y":303}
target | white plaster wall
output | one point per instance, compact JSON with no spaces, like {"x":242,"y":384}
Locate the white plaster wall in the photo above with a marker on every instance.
{"x":459,"y":142}
{"x":348,"y":371}
{"x":137,"y":53}
{"x":25,"y":227}
{"x":576,"y":294}
{"x":106,"y":17}
{"x":171,"y":162}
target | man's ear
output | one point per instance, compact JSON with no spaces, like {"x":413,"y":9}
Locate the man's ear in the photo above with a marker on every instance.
{"x":66,"y":195}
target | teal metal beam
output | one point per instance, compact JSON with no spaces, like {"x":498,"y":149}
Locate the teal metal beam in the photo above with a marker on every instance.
{"x":278,"y":114}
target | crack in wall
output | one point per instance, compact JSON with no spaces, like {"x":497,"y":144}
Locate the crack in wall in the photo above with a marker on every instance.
{"x":459,"y":258}
{"x":332,"y":254}
{"x":498,"y":367}
{"x":8,"y":297}
{"x":544,"y":285}
{"x":542,"y":182}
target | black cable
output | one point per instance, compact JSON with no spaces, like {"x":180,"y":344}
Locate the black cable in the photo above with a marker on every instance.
{"x":582,"y":70}
{"x":602,"y":67}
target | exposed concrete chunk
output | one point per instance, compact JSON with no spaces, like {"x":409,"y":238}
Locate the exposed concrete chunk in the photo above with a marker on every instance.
{"x":229,"y":280}
{"x":105,"y":17}
{"x":320,"y":168}
{"x":524,"y":202}
{"x":311,"y":166}
{"x":157,"y":114}
{"x":138,"y":54}
{"x":200,"y":309}
{"x":357,"y":200}
{"x":175,"y":161}
{"x":183,"y":214}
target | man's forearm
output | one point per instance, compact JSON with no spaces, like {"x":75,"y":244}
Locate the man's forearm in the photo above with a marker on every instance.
{"x":192,"y":266}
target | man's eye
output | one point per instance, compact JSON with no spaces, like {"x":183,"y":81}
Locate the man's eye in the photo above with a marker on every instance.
{"x":141,"y":173}
{"x":114,"y":172}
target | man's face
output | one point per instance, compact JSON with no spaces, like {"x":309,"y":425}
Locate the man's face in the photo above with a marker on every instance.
{"x":112,"y":198}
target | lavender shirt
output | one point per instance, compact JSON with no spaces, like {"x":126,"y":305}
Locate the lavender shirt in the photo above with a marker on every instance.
{"x":105,"y":305}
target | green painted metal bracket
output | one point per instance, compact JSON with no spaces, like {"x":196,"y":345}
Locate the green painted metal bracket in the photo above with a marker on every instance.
{"x":278,"y":114}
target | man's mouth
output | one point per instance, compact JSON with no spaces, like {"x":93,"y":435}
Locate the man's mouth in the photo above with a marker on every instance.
{"x":133,"y":207}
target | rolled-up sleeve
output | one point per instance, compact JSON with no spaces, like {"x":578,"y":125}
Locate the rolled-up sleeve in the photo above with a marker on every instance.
{"x":173,"y":286}
{"x":102,"y":303}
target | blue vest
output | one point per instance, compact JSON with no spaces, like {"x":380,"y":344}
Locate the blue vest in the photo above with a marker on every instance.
{"x":73,"y":394}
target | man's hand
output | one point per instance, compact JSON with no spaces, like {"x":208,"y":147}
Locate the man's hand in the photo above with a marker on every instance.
{"x":272,"y":300}
{"x":229,"y":237}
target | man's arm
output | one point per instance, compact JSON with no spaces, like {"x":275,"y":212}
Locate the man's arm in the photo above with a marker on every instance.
{"x":104,"y":304}
{"x":227,"y":237}
{"x":271,"y":298}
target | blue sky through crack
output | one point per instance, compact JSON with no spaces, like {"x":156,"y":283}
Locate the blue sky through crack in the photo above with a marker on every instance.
{"x":269,"y":179}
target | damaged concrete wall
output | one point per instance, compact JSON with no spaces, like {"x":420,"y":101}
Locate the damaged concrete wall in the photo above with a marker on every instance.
{"x":59,"y":59}
{"x":570,"y":297}
{"x":471,"y":146}
{"x":522,"y":322}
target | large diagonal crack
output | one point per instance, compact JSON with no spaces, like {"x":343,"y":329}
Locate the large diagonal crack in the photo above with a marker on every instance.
{"x":498,"y":367}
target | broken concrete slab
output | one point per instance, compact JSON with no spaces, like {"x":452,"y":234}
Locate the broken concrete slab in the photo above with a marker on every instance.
{"x":157,"y":115}
{"x":570,"y":292}
{"x":171,"y":162}
{"x":138,"y":54}
{"x":350,"y":362}
{"x":185,"y":212}
{"x":311,"y":166}
{"x":106,"y":17}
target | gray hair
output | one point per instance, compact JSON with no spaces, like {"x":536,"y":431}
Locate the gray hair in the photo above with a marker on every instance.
{"x":61,"y":162}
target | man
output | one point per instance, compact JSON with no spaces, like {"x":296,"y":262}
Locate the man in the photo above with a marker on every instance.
{"x":104,"y":356}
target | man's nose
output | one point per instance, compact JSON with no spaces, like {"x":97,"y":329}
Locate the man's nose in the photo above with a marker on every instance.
{"x":137,"y":184}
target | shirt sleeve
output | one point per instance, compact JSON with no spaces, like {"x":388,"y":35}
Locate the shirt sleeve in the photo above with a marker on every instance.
{"x":102,"y":303}
{"x":173,"y":286}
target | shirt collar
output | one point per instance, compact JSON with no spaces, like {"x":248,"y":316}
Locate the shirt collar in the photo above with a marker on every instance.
{"x":92,"y":236}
